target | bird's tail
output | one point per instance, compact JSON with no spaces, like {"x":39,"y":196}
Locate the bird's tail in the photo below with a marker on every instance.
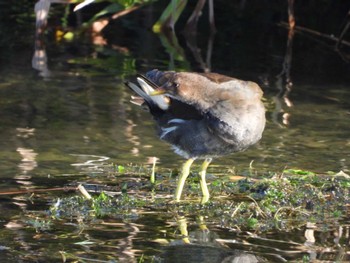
{"x":144,"y":87}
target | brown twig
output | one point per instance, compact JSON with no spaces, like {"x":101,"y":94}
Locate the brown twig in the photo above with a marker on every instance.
{"x":29,"y":191}
{"x":315,"y":33}
{"x":291,"y":17}
{"x":125,"y":12}
{"x":101,"y":23}
{"x":345,"y":29}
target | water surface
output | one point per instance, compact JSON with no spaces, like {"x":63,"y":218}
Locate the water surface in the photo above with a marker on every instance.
{"x":58,"y":128}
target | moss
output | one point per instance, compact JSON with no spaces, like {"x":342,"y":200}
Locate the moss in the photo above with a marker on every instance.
{"x":280,"y":202}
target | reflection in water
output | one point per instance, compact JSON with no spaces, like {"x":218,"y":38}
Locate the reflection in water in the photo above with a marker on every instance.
{"x":93,"y":164}
{"x":284,"y":84}
{"x":335,"y":250}
{"x":39,"y":60}
{"x":311,"y":141}
{"x":201,"y":245}
{"x":169,"y":38}
{"x":284,"y":81}
{"x":310,"y":239}
{"x":191,"y":24}
{"x":25,"y":132}
{"x":199,"y":253}
{"x":170,"y":41}
{"x":28,"y":162}
{"x":132,"y":138}
{"x":191,"y":35}
{"x":283,"y":249}
{"x":191,"y":41}
{"x":124,"y":247}
{"x":24,"y":178}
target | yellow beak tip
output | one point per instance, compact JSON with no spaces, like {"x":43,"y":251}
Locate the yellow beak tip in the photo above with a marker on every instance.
{"x":157,"y":92}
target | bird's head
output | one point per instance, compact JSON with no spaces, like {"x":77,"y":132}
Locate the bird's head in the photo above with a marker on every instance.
{"x":178,"y":85}
{"x":167,"y":85}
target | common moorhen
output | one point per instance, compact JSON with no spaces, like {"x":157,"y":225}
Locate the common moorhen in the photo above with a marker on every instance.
{"x":202,"y":115}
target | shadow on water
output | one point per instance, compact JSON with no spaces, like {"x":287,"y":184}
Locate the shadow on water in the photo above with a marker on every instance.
{"x":70,"y":122}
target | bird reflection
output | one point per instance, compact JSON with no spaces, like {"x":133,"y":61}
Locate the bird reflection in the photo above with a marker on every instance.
{"x":201,"y":246}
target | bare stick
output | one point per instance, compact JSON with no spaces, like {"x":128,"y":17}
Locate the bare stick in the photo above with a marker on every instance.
{"x":315,"y":33}
{"x":27,"y":191}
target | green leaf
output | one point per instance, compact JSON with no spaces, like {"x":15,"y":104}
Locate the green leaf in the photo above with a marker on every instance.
{"x":69,"y":36}
{"x":298,"y":172}
{"x":111,"y":9}
{"x":252,"y":222}
{"x":121,"y":169}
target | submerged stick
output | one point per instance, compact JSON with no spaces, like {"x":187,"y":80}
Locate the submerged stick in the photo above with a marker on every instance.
{"x":28,"y":191}
{"x":153,"y":175}
{"x":83,"y":191}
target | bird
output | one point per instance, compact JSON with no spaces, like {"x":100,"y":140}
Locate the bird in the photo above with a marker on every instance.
{"x":202,"y":115}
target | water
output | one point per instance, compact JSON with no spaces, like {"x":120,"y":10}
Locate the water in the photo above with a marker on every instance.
{"x":58,"y":128}
{"x":55,"y":120}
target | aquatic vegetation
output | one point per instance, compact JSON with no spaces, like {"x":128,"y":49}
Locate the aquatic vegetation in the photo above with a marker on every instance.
{"x":40,"y":224}
{"x":79,"y":208}
{"x":280,"y":202}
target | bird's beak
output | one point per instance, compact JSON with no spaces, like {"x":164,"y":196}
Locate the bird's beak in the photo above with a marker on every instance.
{"x":158,"y":91}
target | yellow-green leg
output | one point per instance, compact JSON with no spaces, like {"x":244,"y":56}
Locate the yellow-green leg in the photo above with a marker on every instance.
{"x":202,"y":174}
{"x":202,"y":225}
{"x":183,"y":229}
{"x":184,"y":174}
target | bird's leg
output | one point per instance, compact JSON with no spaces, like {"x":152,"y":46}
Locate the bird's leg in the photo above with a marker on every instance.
{"x":183,"y":229}
{"x":184,"y":174}
{"x":202,"y":174}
